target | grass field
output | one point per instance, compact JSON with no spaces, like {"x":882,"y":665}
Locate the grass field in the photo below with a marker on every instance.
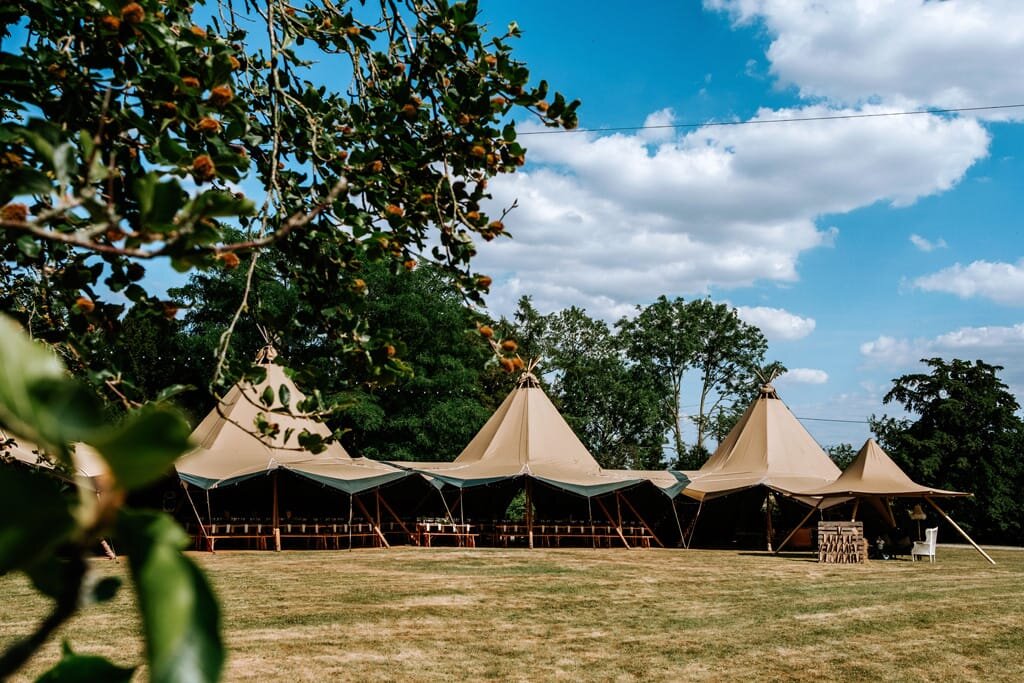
{"x":430,"y":614}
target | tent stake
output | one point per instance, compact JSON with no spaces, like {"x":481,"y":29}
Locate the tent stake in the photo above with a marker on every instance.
{"x":797,"y":527}
{"x":962,"y":532}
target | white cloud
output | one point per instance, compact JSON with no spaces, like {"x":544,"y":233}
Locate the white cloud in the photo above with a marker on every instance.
{"x":1000,"y":282}
{"x":656,"y":126}
{"x":776,"y":323}
{"x":618,"y":220}
{"x":806,"y":376}
{"x":926,"y":245}
{"x":947,"y":54}
{"x":998,"y":345}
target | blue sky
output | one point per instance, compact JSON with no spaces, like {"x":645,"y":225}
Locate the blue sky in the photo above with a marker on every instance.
{"x":859,"y":246}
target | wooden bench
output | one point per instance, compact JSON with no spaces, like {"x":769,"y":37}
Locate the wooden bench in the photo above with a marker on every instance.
{"x":463,"y":534}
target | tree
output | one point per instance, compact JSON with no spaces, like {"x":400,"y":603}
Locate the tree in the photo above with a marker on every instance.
{"x":134,"y":132}
{"x":726,"y":353}
{"x":661,"y":337}
{"x":433,"y":413}
{"x":842,"y":454}
{"x":965,"y":435}
{"x":614,"y":406}
{"x":674,"y":337}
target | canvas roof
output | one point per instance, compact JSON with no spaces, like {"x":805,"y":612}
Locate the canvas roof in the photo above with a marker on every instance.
{"x":767,"y":447}
{"x":527,"y":436}
{"x":873,"y":473}
{"x":230,"y":450}
{"x":87,"y":462}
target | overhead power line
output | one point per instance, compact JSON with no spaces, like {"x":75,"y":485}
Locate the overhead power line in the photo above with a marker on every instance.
{"x":832,"y":419}
{"x":837,"y":117}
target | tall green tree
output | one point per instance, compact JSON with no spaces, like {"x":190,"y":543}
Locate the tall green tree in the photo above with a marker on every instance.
{"x":678,"y":339}
{"x":434,"y":412}
{"x":616,"y":407}
{"x":965,"y":434}
{"x":662,"y":337}
{"x":727,"y":352}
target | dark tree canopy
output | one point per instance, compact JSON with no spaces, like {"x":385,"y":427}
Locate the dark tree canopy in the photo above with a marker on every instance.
{"x":965,"y":434}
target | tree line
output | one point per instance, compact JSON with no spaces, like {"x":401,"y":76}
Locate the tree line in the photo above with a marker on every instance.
{"x":620,"y":386}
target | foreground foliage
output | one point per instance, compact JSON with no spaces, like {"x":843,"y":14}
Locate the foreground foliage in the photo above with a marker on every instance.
{"x":203,"y":136}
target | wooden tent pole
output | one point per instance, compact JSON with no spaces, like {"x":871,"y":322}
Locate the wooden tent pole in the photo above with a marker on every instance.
{"x":679,"y":525}
{"x":693,"y":527}
{"x":529,"y":512}
{"x":202,"y":527}
{"x":376,"y":528}
{"x":856,"y":506}
{"x":376,"y":495}
{"x":646,"y":525}
{"x":276,"y":519}
{"x":957,"y":527}
{"x":447,"y":510}
{"x":590,"y":520}
{"x":618,"y":524}
{"x":768,"y":519}
{"x":405,"y":528}
{"x":350,"y":497}
{"x":798,"y":526}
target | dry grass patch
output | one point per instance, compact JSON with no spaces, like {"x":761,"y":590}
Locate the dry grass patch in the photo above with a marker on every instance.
{"x":427,"y":614}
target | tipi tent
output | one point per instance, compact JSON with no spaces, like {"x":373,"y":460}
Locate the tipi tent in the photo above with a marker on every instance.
{"x":527,"y":438}
{"x":873,"y":476}
{"x":767,"y":447}
{"x":229,"y":450}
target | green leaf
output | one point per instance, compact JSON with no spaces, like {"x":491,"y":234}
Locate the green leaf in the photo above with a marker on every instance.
{"x":267,"y":397}
{"x":34,"y":519}
{"x":180,"y":617}
{"x":285,"y":394}
{"x":174,"y":390}
{"x":159,"y":202}
{"x":219,"y":203}
{"x":37,"y":399}
{"x":74,"y":668}
{"x":28,"y":246}
{"x":142,"y":448}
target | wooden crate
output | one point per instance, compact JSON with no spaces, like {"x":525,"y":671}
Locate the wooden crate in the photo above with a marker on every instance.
{"x":841,"y":543}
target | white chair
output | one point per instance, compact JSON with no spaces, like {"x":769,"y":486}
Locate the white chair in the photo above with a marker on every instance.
{"x":927,"y":546}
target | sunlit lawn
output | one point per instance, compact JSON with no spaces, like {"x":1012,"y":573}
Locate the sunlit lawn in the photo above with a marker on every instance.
{"x":430,"y":614}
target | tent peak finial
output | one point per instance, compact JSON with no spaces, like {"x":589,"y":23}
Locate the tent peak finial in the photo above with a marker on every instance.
{"x":266,"y":355}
